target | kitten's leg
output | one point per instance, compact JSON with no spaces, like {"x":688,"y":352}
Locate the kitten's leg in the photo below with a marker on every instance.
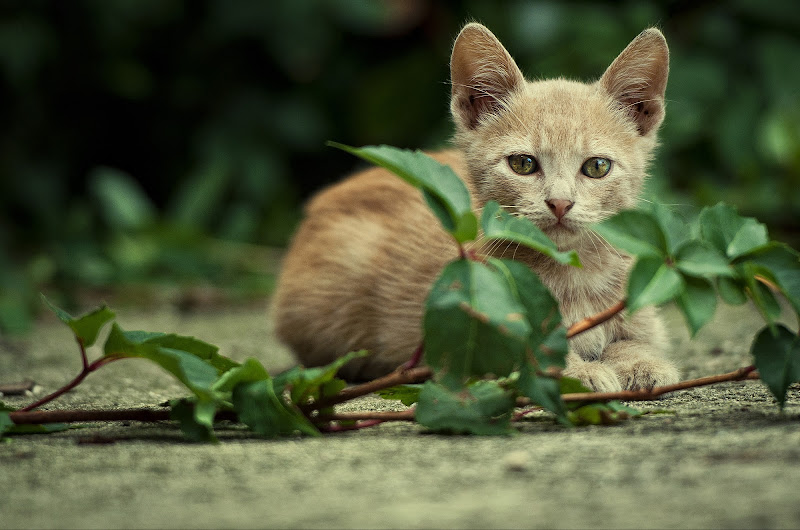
{"x":594,"y":375}
{"x":638,"y":366}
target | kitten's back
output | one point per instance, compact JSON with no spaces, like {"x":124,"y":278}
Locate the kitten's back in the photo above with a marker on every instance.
{"x":359,"y":269}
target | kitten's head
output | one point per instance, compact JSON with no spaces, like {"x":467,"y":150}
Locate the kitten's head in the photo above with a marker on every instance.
{"x":563,"y":153}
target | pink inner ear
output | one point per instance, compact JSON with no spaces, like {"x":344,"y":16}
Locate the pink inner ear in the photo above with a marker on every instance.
{"x":647,"y":114}
{"x":481,"y":103}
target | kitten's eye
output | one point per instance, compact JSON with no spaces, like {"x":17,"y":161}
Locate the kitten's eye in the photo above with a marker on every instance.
{"x":596,"y":167}
{"x":523,"y":164}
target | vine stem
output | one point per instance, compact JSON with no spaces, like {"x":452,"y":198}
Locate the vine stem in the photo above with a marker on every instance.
{"x":37,"y":417}
{"x":595,"y":320}
{"x":416,"y":357}
{"x":744,"y":373}
{"x":85,"y":371}
{"x":368,"y":419}
{"x":400,"y":376}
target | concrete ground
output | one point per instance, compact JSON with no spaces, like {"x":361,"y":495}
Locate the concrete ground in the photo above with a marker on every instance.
{"x":725,"y":457}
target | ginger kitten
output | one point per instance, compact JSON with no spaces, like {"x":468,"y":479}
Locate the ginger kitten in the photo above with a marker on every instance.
{"x":563,"y":153}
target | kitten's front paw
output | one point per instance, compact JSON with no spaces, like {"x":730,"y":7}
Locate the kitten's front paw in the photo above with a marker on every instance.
{"x":646,"y":373}
{"x":594,"y":375}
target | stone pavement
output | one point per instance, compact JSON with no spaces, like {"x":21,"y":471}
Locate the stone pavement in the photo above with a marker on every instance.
{"x":725,"y":456}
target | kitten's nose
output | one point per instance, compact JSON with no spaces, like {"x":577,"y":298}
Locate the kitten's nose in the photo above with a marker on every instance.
{"x":559,"y":207}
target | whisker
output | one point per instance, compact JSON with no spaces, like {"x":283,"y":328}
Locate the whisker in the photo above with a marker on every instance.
{"x":514,"y":255}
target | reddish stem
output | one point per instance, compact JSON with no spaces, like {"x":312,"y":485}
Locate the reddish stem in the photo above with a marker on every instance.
{"x":398,"y":377}
{"x":87,"y":369}
{"x":524,"y":412}
{"x":595,"y":320}
{"x":415,"y":359}
{"x":333,"y":427}
{"x":744,"y":373}
{"x":84,"y":358}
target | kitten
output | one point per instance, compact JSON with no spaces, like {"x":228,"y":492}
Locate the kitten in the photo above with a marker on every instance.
{"x":562,"y":153}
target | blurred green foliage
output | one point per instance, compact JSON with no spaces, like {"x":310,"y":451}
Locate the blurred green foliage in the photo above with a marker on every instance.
{"x":170,"y":141}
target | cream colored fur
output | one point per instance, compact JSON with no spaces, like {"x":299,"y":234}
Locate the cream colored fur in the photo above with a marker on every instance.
{"x":362,"y":262}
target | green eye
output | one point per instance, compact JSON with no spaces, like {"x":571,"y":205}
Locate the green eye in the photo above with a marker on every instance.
{"x":596,"y":167}
{"x":523,"y":164}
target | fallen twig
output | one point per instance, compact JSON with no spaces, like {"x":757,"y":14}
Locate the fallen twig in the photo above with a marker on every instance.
{"x":402,"y":415}
{"x":36,"y":417}
{"x":16,"y":389}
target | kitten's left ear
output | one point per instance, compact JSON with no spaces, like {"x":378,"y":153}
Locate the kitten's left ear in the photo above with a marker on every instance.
{"x":637,"y":79}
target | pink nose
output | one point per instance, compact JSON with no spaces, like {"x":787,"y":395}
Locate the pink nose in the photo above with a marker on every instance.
{"x":559,"y":207}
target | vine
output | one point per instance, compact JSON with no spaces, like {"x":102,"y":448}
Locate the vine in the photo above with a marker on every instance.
{"x":483,"y":316}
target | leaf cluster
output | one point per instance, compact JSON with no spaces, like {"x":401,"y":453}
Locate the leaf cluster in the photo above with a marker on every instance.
{"x":720,"y":254}
{"x":218,"y":386}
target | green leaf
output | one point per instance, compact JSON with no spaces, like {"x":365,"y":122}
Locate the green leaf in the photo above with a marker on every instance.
{"x":750,"y":236}
{"x":637,"y":233}
{"x":313,"y":383}
{"x":250,"y":370}
{"x":570,"y":385}
{"x":697,"y":302}
{"x":729,"y":233}
{"x":731,"y":291}
{"x":197,"y":374}
{"x":675,"y":229}
{"x":781,"y":265}
{"x":481,"y":408}
{"x":552,"y":351}
{"x":198,"y":348}
{"x":5,"y":423}
{"x":86,"y":327}
{"x":498,"y":224}
{"x":777,"y":357}
{"x":406,"y":394}
{"x":652,"y":282}
{"x":616,"y":406}
{"x":700,"y":259}
{"x":123,"y":202}
{"x":466,"y":228}
{"x":609,"y":413}
{"x":443,"y":190}
{"x":471,"y":311}
{"x":258,"y":406}
{"x":543,"y":391}
{"x":183,"y":411}
{"x":44,"y":428}
{"x":541,"y":310}
{"x":761,"y":295}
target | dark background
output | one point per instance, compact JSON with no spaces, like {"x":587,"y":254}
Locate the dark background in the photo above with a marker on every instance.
{"x":164,"y":143}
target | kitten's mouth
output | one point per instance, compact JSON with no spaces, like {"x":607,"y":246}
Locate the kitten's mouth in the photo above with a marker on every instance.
{"x":561,"y":226}
{"x":562,"y":233}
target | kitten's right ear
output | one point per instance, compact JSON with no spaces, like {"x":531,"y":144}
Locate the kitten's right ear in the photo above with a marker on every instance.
{"x":482,"y":74}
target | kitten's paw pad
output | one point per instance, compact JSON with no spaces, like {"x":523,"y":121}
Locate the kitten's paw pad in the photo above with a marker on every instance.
{"x":595,"y":376}
{"x":644,"y":374}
